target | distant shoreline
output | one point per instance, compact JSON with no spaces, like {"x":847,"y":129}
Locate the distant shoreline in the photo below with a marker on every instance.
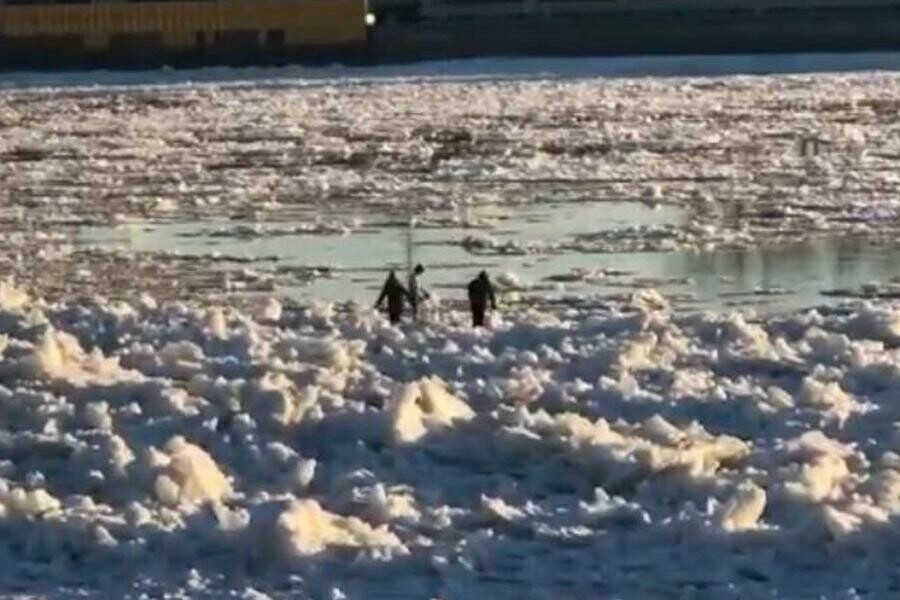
{"x":453,"y":70}
{"x":619,"y":35}
{"x":608,"y":35}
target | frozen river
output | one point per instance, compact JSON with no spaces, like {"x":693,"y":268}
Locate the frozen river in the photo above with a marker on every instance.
{"x":189,"y":410}
{"x":566,"y":179}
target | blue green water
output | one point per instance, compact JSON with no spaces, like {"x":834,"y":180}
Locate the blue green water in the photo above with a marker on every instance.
{"x":773,"y":277}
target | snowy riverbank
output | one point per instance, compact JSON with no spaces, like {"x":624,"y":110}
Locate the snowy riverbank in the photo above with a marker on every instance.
{"x":618,"y":452}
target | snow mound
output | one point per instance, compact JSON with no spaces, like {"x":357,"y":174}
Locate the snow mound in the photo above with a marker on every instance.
{"x":819,"y":469}
{"x":275,"y":398}
{"x":390,"y":505}
{"x":829,"y":397}
{"x":58,"y":355}
{"x":743,"y":510}
{"x":884,"y":488}
{"x":270,"y":311}
{"x":306,"y":529}
{"x":216,"y":323}
{"x":875,"y":323}
{"x":29,"y":503}
{"x":424,"y":406}
{"x":261,"y":448}
{"x":191,"y":476}
{"x":13,"y":298}
{"x":649,"y":300}
{"x":655,"y":446}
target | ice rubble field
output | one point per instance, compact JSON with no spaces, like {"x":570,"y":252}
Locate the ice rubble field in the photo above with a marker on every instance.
{"x":726,"y":149}
{"x":619,"y":453}
{"x":172,"y":448}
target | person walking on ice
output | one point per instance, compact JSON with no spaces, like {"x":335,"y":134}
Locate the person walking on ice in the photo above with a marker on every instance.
{"x":417,"y":293}
{"x":481,"y":291}
{"x":396,"y":296}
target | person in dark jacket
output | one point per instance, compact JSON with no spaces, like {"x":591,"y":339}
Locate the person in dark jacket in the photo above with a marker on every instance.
{"x":416,"y":291}
{"x":481,"y":291}
{"x":396,"y":296}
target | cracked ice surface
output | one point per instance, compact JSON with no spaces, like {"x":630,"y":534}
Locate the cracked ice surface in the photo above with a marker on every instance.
{"x":151,"y":448}
{"x":342,"y":158}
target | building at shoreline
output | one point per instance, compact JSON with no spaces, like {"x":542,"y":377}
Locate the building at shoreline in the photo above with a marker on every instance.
{"x":37,"y":33}
{"x":444,"y":10}
{"x":52,"y":34}
{"x":441,"y":29}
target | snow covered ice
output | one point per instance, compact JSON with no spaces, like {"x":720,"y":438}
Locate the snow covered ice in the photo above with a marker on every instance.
{"x":175,"y":424}
{"x":236,"y":188}
{"x":627,"y":451}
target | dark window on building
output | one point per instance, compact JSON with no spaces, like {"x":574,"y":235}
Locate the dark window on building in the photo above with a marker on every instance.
{"x":200,"y":39}
{"x":135,"y":45}
{"x":510,"y":2}
{"x":275,"y":38}
{"x":237,"y":38}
